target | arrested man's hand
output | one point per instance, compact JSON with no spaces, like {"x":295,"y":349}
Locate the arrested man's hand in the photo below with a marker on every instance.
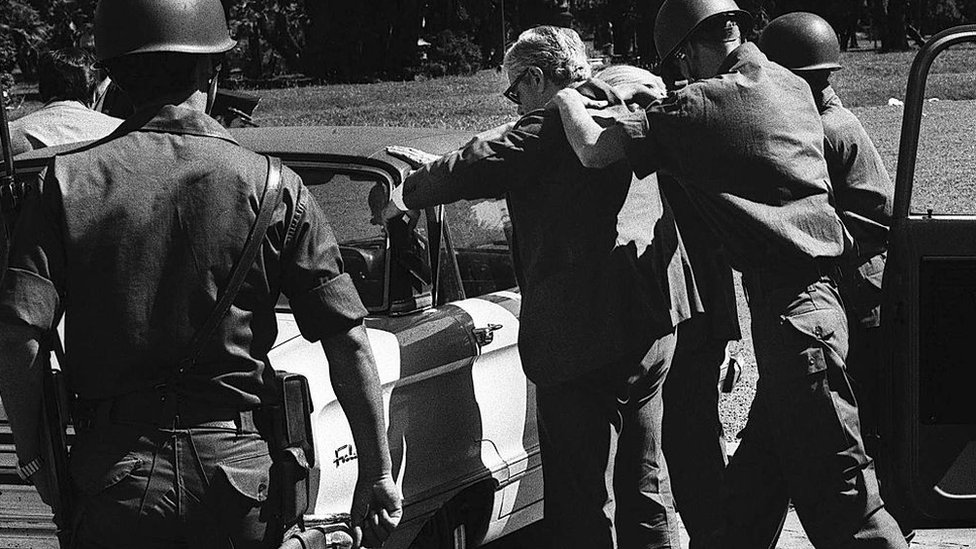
{"x":413,"y":156}
{"x":388,"y":212}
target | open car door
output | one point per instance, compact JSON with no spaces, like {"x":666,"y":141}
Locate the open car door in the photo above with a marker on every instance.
{"x":928,"y":457}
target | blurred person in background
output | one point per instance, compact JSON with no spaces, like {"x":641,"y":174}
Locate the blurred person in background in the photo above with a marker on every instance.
{"x":66,"y":83}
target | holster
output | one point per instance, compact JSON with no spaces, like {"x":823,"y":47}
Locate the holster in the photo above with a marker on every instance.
{"x":292,"y":451}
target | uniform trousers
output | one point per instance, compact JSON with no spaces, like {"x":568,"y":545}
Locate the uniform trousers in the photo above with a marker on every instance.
{"x":802,"y":441}
{"x":141,"y":485}
{"x":694,"y":442}
{"x":606,"y":482}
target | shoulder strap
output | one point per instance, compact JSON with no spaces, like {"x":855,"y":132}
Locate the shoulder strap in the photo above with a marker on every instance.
{"x":269,"y":201}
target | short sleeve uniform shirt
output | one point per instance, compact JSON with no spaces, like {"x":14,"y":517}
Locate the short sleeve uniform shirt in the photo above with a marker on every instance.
{"x":135,"y":236}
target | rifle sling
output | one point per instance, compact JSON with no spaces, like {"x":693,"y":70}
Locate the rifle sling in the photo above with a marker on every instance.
{"x":269,"y":202}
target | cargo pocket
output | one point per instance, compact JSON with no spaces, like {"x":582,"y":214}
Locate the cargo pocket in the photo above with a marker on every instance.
{"x":823,"y":328}
{"x":819,"y":399}
{"x":249,"y":476}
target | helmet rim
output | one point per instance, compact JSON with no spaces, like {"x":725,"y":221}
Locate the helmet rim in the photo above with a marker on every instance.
{"x":801,"y":42}
{"x":692,"y":15}
{"x":127,"y":27}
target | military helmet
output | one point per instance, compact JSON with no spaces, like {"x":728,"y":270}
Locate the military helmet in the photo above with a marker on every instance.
{"x":124,"y":27}
{"x":678,"y":19}
{"x":801,"y":41}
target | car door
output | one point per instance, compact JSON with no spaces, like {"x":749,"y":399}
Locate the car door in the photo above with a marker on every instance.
{"x":928,"y":459}
{"x":480,"y":240}
{"x":457,"y":405}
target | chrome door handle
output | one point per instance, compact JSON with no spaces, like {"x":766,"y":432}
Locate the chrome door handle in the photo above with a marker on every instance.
{"x":484,"y":336}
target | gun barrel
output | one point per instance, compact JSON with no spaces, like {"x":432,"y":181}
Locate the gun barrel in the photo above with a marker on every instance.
{"x":6,"y":183}
{"x":5,"y":144}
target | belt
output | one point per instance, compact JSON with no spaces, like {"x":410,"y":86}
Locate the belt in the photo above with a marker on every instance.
{"x":162,"y":409}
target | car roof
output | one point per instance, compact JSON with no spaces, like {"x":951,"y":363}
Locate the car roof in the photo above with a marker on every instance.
{"x":337,"y":142}
{"x":362,"y":141}
{"x":349,"y":142}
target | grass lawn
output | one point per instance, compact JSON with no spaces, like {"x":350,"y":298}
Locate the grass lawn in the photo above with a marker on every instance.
{"x":866,"y":84}
{"x":944,"y":174}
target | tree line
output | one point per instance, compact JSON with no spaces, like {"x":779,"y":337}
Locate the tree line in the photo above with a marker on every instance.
{"x":363,"y":40}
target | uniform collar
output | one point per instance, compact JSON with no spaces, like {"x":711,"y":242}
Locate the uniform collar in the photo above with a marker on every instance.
{"x":176,"y":120}
{"x":747,"y":53}
{"x":65,"y":103}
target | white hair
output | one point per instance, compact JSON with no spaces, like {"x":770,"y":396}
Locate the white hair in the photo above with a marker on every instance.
{"x":558,"y":52}
{"x":621,"y":75}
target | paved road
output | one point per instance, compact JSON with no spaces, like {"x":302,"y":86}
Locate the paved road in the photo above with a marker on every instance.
{"x":20,"y":528}
{"x":792,"y":538}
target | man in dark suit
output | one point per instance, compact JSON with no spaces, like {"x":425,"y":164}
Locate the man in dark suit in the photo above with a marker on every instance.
{"x":604,"y":282}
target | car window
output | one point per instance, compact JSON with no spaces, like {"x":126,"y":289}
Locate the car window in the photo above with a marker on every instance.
{"x":946,"y":160}
{"x":348,"y":196}
{"x":481,"y":233}
{"x":345,"y":197}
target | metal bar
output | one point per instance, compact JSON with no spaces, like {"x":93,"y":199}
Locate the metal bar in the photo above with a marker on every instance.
{"x":7,"y":202}
{"x":912,"y":118}
{"x":7,"y":146}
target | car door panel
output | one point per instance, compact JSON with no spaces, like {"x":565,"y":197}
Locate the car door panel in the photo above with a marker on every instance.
{"x":928,"y":422}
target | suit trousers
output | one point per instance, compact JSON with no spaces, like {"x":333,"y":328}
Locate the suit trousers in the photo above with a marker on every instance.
{"x":694,"y":442}
{"x":802,"y":441}
{"x":606,"y":482}
{"x":140,"y":485}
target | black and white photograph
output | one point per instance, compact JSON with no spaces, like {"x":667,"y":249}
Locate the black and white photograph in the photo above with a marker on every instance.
{"x":512,"y":274}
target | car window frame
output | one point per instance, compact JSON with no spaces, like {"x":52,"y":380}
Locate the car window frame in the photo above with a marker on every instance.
{"x":347,"y":167}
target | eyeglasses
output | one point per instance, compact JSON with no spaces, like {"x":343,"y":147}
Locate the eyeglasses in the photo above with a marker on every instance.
{"x":511,"y":93}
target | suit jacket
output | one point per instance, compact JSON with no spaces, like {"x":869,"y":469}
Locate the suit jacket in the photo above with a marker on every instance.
{"x":602,"y":269}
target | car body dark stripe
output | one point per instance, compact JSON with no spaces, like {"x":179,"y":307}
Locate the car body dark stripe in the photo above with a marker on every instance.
{"x":430,"y":339}
{"x":510,"y":304}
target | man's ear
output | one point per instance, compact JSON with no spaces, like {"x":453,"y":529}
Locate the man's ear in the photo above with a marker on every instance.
{"x":537,"y":78}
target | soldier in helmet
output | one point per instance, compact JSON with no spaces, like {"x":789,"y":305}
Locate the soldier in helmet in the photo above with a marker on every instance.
{"x":745,"y":140}
{"x":863,"y":194}
{"x":807,"y":45}
{"x":134,"y":238}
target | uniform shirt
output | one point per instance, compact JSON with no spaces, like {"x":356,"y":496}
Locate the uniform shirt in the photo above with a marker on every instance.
{"x":864,"y":194}
{"x":134,"y":236}
{"x":587,"y":300}
{"x":748,"y":147}
{"x":58,"y":123}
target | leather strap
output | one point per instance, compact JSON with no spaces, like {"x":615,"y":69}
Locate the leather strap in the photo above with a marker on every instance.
{"x":269,"y":202}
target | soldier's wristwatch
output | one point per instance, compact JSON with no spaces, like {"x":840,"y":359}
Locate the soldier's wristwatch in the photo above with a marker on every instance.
{"x":26,"y":470}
